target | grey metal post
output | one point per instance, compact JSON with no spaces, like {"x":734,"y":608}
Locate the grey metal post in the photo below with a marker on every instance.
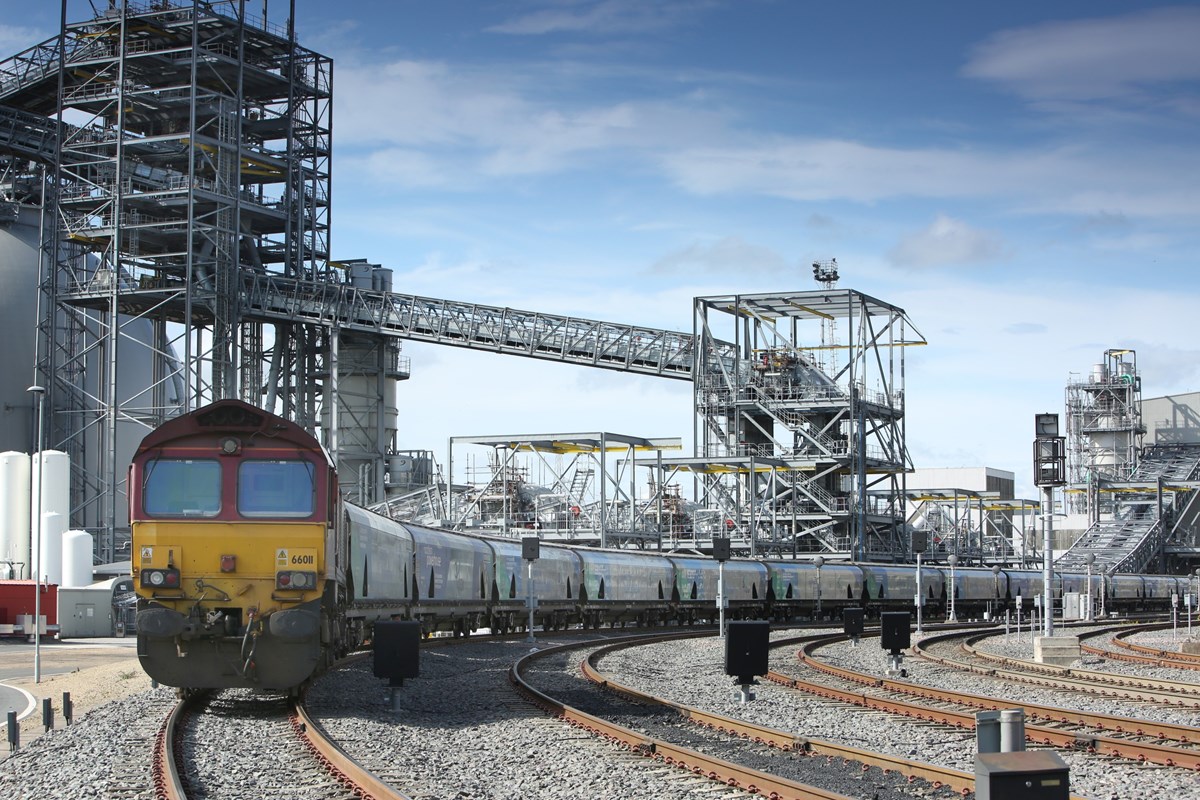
{"x":40,"y":393}
{"x":953,"y":561}
{"x":920,"y":596}
{"x":1048,"y":562}
{"x":720,"y":599}
{"x":1012,"y":730}
{"x":820,"y":562}
{"x":529,"y":598}
{"x":1091,"y":559}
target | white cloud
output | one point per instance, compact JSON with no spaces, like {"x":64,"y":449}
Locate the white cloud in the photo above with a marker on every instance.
{"x":604,"y":17}
{"x":947,"y":242}
{"x":1094,"y":59}
{"x":730,"y":256}
{"x":15,"y":38}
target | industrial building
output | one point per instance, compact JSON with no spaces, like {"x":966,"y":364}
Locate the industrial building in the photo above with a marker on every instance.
{"x":165,"y":175}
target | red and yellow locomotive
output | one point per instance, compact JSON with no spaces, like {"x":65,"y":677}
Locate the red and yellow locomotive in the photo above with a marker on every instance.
{"x":238,"y":555}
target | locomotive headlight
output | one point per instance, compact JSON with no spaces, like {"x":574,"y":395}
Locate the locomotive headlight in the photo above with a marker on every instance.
{"x":230,"y":445}
{"x":161,"y":578}
{"x":295,"y":580}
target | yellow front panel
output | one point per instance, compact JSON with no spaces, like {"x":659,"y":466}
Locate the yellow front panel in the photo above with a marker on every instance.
{"x":260,"y":549}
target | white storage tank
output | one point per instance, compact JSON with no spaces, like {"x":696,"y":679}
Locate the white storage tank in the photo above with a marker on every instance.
{"x":76,"y":559}
{"x":56,"y":493}
{"x":14,"y":515}
{"x":48,"y":562}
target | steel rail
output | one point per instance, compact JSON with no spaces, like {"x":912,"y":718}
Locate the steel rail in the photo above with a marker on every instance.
{"x":1144,"y":654}
{"x":1107,"y":684}
{"x":1152,"y":752}
{"x":164,"y":767}
{"x":359,"y":780}
{"x":714,"y":768}
{"x":169,"y":783}
{"x":783,"y":740}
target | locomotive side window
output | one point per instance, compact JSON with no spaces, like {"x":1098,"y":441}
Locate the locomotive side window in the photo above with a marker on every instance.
{"x":276,"y":488}
{"x":182,"y":488}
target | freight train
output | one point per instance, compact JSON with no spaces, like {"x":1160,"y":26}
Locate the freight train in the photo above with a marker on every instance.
{"x":252,"y":572}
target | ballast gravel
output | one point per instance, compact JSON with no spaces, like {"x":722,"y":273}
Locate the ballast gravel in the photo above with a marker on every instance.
{"x":668,"y":672}
{"x":460,"y":732}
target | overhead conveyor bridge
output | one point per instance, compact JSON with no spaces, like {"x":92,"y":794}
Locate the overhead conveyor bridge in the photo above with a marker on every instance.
{"x":1161,"y":490}
{"x":28,"y":135}
{"x":270,"y":297}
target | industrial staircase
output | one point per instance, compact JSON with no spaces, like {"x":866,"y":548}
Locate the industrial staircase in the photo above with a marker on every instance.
{"x":1131,"y":540}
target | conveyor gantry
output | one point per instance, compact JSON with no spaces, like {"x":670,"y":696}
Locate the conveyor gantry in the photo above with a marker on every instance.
{"x":270,"y":297}
{"x":628,"y":348}
{"x":28,"y":135}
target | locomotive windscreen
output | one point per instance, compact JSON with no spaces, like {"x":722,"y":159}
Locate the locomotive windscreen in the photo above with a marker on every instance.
{"x":182,"y":488}
{"x":276,"y":488}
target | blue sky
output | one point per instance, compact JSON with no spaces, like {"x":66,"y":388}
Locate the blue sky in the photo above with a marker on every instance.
{"x":1021,"y":178}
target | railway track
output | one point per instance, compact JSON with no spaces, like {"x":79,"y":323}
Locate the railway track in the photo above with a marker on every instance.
{"x":1142,"y":654}
{"x":1140,"y":740}
{"x":761,"y":760}
{"x":1176,"y":694}
{"x":304,"y":763}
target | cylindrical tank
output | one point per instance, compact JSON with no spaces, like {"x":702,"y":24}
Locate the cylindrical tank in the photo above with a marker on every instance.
{"x":55,"y":494}
{"x":47,"y":560}
{"x":14,"y":514}
{"x":19,"y":253}
{"x":381,"y":279}
{"x":76,"y":559}
{"x":1099,"y":373}
{"x":360,"y":275}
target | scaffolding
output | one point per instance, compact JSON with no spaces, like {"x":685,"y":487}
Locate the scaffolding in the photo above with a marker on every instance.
{"x":587,"y":494}
{"x":801,"y":426}
{"x":196,"y":158}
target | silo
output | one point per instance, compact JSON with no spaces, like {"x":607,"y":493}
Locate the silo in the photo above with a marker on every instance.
{"x":14,"y":513}
{"x":18,"y":308}
{"x":76,"y":559}
{"x":48,"y":559}
{"x":55,"y":494}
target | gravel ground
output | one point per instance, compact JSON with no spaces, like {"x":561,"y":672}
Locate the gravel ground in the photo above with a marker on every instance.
{"x":462,"y":733}
{"x":693,"y":674}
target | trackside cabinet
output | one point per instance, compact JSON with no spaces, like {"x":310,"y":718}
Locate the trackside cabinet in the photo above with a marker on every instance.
{"x":397,"y":650}
{"x":894,"y":630}
{"x":746,"y":648}
{"x":1027,"y":775}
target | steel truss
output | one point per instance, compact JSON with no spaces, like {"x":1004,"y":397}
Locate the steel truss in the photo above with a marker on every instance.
{"x":806,"y":430}
{"x":197,"y":150}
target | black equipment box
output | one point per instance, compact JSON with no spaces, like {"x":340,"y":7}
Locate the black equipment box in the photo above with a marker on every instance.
{"x":720,"y":549}
{"x":746,"y":646}
{"x":531,"y":547}
{"x":1027,"y":774}
{"x":853,"y":621}
{"x":397,"y":650}
{"x":920,"y":541}
{"x":894,"y":630}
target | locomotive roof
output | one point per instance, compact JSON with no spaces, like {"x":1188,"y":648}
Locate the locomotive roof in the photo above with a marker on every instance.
{"x":231,"y":416}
